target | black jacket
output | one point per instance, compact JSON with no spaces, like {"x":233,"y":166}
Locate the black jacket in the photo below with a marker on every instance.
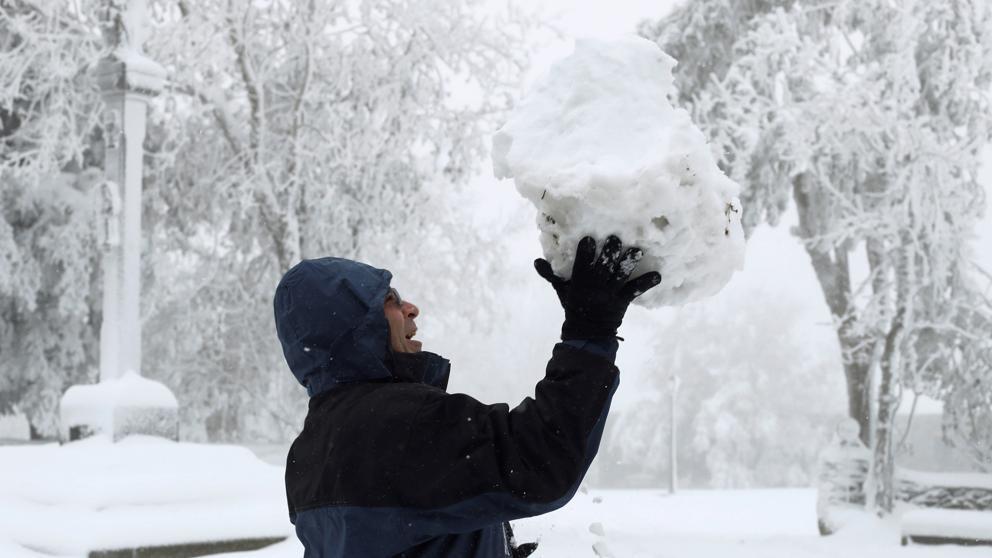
{"x":389,"y":464}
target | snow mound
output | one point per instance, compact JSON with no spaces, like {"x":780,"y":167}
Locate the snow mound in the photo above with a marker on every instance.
{"x":96,"y":495}
{"x":106,"y":406}
{"x":599,"y":150}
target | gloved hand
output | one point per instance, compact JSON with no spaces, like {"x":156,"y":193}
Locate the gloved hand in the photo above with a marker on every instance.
{"x":518,"y":550}
{"x":524,"y":550}
{"x":595,"y":299}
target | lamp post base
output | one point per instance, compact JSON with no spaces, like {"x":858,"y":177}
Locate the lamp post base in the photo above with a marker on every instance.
{"x":118,"y":408}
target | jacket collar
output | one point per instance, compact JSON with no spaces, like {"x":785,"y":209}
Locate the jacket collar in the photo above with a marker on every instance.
{"x":423,"y":368}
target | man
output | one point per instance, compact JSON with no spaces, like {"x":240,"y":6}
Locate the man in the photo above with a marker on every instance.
{"x":388,"y":463}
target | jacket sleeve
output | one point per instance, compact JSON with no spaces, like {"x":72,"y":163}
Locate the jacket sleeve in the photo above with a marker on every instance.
{"x":471,"y":465}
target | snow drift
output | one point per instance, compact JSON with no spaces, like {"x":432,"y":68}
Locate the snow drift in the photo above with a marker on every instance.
{"x":598,"y":149}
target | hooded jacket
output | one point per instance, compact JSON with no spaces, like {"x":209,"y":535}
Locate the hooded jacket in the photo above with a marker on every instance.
{"x":388,"y":464}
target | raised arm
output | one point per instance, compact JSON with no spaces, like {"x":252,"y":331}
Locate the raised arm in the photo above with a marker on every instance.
{"x":478,"y":463}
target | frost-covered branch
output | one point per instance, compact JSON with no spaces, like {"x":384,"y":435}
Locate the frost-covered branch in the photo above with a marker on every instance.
{"x":856,"y":112}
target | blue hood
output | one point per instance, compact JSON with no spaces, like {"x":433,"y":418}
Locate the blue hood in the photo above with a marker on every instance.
{"x":330,"y":321}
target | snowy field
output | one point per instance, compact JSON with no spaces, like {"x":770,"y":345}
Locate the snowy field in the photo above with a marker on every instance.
{"x":56,"y":501}
{"x":775,"y":523}
{"x":95,"y":495}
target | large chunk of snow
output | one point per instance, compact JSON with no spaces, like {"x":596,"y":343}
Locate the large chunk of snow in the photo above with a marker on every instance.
{"x":599,"y":150}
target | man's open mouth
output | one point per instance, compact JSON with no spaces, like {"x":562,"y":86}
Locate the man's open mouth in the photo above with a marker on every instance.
{"x":411,"y":334}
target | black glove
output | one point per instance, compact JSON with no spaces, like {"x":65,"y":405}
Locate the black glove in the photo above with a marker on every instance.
{"x":524,"y":550}
{"x":596,"y":297}
{"x":519,"y":550}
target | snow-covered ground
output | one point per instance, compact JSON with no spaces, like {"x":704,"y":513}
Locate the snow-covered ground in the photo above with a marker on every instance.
{"x":58,"y":500}
{"x":774,"y":523}
{"x":97,"y":495}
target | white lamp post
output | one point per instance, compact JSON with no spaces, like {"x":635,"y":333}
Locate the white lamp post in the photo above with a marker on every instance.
{"x":123,"y":402}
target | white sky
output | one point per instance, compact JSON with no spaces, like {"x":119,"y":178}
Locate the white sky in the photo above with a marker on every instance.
{"x":588,"y":18}
{"x":602,"y":18}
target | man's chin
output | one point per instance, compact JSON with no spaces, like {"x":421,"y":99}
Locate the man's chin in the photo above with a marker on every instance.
{"x":414,"y":346}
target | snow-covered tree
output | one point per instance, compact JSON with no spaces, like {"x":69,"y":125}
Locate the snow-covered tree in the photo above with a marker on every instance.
{"x":753,"y":406}
{"x":309,"y":129}
{"x":869,"y":117}
{"x":287,"y":130}
{"x":47,"y":97}
{"x":964,"y":380}
{"x":49,"y":307}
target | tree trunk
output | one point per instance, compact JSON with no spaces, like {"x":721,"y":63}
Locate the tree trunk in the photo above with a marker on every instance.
{"x":856,"y":376}
{"x":883,"y":464}
{"x":831,"y":266}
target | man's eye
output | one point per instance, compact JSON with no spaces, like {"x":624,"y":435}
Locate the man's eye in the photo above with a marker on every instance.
{"x":394,"y":296}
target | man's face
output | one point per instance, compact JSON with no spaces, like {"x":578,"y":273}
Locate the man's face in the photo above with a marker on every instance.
{"x":402,"y":328}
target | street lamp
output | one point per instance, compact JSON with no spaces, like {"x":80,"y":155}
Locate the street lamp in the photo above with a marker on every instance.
{"x":122,"y":402}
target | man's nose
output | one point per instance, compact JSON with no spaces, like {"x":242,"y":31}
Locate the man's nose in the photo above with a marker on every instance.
{"x":410,"y":309}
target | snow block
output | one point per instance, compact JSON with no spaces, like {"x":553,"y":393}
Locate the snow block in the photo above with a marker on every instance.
{"x":118,"y":408}
{"x":598,"y":149}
